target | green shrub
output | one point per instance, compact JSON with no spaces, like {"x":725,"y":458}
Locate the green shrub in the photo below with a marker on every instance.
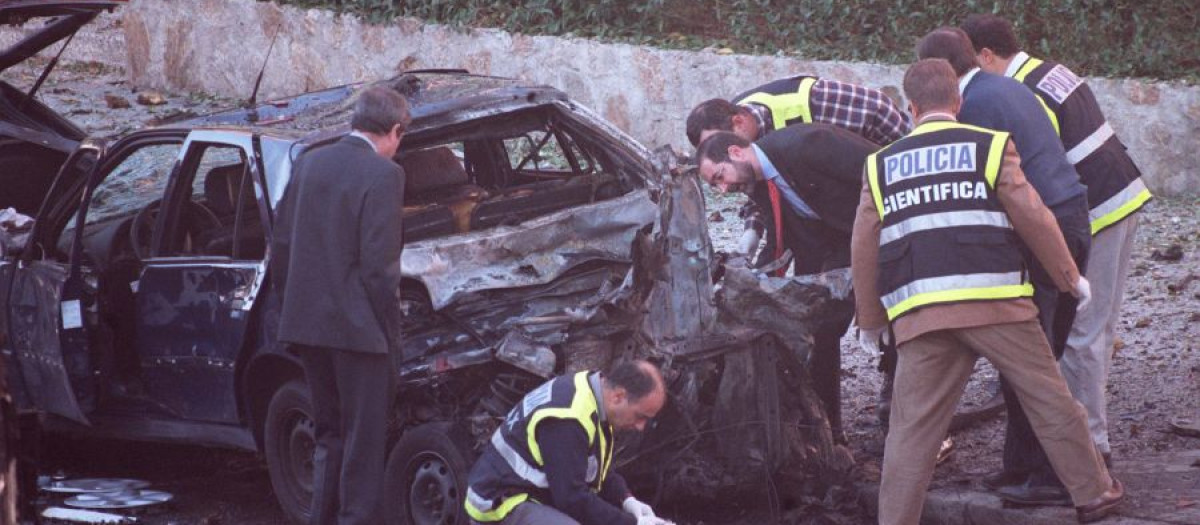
{"x":1146,"y":38}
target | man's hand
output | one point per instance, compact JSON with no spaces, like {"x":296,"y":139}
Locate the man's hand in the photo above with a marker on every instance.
{"x":653,"y":520}
{"x":869,"y":338}
{"x":640,"y":510}
{"x":1083,"y":292}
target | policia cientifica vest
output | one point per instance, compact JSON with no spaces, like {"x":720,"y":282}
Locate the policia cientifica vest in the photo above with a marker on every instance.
{"x":510,"y":470}
{"x":944,"y":236}
{"x":786,"y":98}
{"x":1114,"y":184}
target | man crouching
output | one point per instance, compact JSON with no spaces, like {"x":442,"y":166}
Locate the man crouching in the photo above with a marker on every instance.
{"x":548,"y":463}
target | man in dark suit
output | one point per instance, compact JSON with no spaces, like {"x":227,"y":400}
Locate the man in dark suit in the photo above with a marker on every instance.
{"x":1001,"y":103}
{"x":337,"y":250}
{"x":807,"y":178}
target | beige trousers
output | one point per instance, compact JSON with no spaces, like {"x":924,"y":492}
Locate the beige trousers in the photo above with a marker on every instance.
{"x":933,"y":371}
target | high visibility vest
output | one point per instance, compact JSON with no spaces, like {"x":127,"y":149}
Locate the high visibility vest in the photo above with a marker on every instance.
{"x":1114,"y":183}
{"x":510,"y":471}
{"x":788,"y":100}
{"x":944,"y":236}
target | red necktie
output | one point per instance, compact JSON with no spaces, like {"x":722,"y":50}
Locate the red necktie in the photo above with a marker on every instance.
{"x":773,"y":193}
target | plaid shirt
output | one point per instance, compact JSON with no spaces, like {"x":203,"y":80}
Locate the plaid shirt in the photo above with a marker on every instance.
{"x":865,"y":111}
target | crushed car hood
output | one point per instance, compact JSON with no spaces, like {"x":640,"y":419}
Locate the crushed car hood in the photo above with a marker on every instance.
{"x":534,"y":252}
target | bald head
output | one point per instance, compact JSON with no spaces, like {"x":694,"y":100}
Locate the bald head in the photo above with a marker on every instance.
{"x":634,"y":392}
{"x":951,"y":44}
{"x":931,"y":85}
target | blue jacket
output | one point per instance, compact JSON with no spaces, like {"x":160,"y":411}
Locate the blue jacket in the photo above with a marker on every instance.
{"x":1001,"y":103}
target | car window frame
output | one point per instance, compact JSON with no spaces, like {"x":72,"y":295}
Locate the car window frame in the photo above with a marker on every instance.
{"x":178,"y":189}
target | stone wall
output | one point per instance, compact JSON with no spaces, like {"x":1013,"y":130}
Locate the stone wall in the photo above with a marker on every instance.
{"x":218,"y":46}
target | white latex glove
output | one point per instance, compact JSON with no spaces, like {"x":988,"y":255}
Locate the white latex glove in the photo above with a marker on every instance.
{"x":640,"y":510}
{"x":748,"y":243}
{"x":653,"y":520}
{"x":868,"y":338}
{"x":1083,"y":292}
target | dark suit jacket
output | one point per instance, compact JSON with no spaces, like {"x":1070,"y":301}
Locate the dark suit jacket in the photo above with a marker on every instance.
{"x":1001,"y":103}
{"x":824,"y":165}
{"x":336,"y":249}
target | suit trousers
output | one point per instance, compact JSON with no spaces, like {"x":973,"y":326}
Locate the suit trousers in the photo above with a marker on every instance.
{"x":825,"y":361}
{"x":1056,"y":313}
{"x":351,"y":396}
{"x":1088,"y":355}
{"x":932,"y":372}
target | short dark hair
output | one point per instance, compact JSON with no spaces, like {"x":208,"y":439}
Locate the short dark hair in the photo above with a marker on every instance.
{"x":992,"y":32}
{"x":379,"y":109}
{"x":712,"y":114}
{"x":931,"y":83}
{"x":715,"y":148}
{"x":952,"y":44}
{"x":634,"y":376}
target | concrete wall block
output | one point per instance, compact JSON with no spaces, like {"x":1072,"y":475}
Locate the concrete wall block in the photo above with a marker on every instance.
{"x":218,"y":46}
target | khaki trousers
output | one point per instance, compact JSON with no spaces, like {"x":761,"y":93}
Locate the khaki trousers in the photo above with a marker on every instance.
{"x":933,"y":371}
{"x":1088,"y":356}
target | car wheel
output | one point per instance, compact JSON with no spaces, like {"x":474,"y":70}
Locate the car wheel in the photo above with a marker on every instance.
{"x":426,"y":479}
{"x":289,"y":439}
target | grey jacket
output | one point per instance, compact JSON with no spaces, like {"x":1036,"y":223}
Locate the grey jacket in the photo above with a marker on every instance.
{"x":336,"y":249}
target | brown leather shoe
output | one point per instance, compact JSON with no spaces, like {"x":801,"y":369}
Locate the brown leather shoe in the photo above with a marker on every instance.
{"x":1102,"y":506}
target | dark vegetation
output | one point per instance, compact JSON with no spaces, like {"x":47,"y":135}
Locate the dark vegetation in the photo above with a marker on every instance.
{"x":1138,"y":38}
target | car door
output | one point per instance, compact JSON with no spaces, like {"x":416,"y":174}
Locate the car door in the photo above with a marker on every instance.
{"x":196,"y":291}
{"x":57,"y":311}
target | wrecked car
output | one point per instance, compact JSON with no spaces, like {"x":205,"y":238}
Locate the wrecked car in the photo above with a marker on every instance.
{"x":540,"y":240}
{"x":139,"y":307}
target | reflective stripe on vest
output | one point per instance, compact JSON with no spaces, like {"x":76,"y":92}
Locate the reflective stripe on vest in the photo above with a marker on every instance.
{"x":787,"y":106}
{"x":952,"y":288}
{"x":1090,"y":144}
{"x":1115,"y":207}
{"x":583,"y":406}
{"x":936,"y":283}
{"x":943,"y":220}
{"x":1025,"y":70}
{"x":527,"y":472}
{"x":480,"y":509}
{"x":1119,"y":206}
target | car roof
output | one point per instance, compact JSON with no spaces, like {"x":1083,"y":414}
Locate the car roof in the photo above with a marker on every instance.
{"x":437,"y":98}
{"x":74,"y":14}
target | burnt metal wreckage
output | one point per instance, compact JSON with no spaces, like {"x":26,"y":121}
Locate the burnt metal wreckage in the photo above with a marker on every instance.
{"x":732,"y":342}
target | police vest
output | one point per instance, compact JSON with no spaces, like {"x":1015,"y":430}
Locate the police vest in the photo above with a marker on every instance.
{"x":786,"y":98}
{"x":1115,"y":187}
{"x":944,"y":236}
{"x":510,"y":471}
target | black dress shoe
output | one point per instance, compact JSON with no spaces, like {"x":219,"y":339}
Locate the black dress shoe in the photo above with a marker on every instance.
{"x":1041,"y":495}
{"x":1102,"y":506}
{"x":1004,"y":478}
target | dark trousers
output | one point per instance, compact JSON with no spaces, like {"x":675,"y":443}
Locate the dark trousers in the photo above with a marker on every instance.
{"x":350,"y":399}
{"x":825,"y":361}
{"x":1056,"y":313}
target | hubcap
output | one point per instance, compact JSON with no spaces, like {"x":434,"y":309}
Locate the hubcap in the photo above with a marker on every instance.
{"x":300,"y":446}
{"x":433,"y":495}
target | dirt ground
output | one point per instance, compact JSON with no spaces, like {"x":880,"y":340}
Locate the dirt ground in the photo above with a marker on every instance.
{"x":1155,"y":377}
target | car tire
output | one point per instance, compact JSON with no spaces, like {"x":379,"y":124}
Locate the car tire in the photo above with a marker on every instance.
{"x":289,"y":438}
{"x":426,"y":477}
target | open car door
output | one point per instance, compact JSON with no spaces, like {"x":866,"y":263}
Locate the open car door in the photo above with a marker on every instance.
{"x":47,"y":300}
